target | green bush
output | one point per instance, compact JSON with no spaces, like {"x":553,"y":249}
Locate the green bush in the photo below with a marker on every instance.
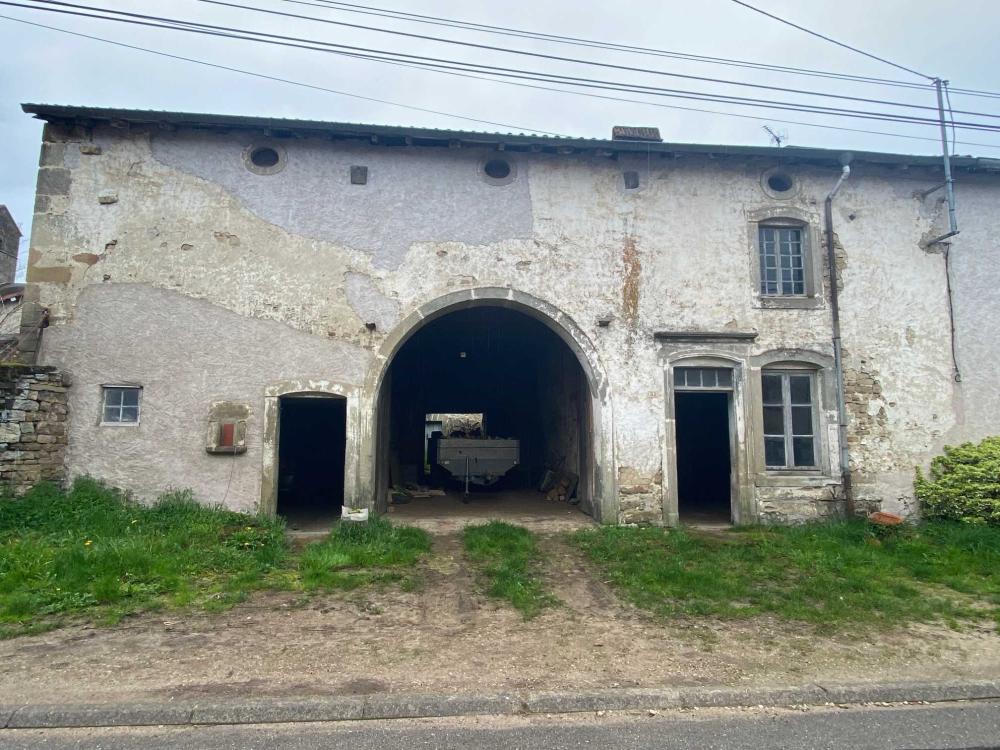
{"x":964,"y":484}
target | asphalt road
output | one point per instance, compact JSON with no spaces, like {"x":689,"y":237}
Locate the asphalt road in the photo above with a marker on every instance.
{"x":950,"y":725}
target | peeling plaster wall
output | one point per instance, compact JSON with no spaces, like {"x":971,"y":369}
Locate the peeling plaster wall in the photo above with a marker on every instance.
{"x":164,"y":260}
{"x":975,"y":278}
{"x":188,"y":355}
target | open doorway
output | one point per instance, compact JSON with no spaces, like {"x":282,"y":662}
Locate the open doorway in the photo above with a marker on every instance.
{"x":702,"y":409}
{"x":311,"y":444}
{"x":504,"y":390}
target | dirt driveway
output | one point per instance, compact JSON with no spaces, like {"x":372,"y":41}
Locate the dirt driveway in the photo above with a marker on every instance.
{"x":448,"y":637}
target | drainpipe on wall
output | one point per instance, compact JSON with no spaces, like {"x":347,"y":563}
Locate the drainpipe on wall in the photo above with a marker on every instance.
{"x":838,"y":361}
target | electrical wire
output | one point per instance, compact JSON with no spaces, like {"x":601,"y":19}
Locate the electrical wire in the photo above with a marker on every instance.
{"x":951,"y":114}
{"x":439,"y":63}
{"x":285,"y":80}
{"x":785,"y":21}
{"x":556,"y":58}
{"x":337,"y":5}
{"x":278,"y":79}
{"x":483,"y":78}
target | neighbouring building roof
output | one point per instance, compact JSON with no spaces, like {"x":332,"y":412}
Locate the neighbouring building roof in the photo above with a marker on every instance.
{"x":8,"y":220}
{"x":404,"y":135}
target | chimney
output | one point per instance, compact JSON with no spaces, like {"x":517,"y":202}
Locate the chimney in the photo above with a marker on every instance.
{"x":631,"y":133}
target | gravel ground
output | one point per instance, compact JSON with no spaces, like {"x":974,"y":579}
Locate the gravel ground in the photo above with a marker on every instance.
{"x":447,"y":637}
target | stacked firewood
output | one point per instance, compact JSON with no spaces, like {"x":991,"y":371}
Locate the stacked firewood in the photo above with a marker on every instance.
{"x":560,"y":493}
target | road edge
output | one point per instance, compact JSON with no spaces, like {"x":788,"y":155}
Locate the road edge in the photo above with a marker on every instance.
{"x":417,"y":705}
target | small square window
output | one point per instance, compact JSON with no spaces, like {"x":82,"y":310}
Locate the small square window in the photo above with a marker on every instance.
{"x":121,"y":404}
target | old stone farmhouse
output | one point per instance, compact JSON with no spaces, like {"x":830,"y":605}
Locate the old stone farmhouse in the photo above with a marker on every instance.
{"x":231,"y":301}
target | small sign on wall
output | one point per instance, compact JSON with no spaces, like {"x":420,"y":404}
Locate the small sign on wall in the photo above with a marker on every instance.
{"x":227,"y":436}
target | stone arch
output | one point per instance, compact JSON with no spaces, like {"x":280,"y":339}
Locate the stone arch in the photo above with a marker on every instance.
{"x":602,"y":485}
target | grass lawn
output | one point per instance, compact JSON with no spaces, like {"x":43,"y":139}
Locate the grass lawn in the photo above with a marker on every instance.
{"x":507,"y":557}
{"x":830,"y":574}
{"x":360,"y":554}
{"x":89,"y":552}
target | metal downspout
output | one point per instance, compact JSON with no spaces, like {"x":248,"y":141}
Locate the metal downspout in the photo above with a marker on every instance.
{"x":838,"y":361}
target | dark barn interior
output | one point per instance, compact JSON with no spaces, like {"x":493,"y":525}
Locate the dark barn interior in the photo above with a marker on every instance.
{"x":503,"y":364}
{"x":311,"y":445}
{"x":703,"y":456}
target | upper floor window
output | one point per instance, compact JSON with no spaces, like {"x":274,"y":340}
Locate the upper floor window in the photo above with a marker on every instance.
{"x":782,"y":261}
{"x":121,"y":404}
{"x":789,"y":419}
{"x":784,"y":272}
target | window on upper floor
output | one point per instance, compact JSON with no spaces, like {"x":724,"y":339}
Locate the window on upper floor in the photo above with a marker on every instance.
{"x":782,"y":255}
{"x":789,"y":404}
{"x":785,"y":273}
{"x":120,"y":404}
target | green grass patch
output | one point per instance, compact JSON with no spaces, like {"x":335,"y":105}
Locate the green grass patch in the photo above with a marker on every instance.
{"x":357,"y":555}
{"x":91,"y":553}
{"x":508,"y":558}
{"x":830,"y":574}
{"x":90,"y":550}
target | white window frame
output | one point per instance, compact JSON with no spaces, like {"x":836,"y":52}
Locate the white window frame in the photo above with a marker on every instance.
{"x":120,"y":388}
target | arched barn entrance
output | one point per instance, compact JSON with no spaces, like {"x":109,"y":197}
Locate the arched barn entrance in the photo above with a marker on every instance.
{"x":487,"y":401}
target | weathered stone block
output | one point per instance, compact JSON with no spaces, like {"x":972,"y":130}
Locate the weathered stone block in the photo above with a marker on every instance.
{"x":25,"y":404}
{"x":54,"y":181}
{"x":46,"y":438}
{"x":53,"y":155}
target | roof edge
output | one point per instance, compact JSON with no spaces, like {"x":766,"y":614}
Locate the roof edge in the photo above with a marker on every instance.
{"x":417,"y":136}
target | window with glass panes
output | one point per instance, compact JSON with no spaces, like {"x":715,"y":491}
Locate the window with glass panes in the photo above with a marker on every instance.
{"x":782,"y":262}
{"x":121,"y":405}
{"x":703,"y":377}
{"x":789,"y":419}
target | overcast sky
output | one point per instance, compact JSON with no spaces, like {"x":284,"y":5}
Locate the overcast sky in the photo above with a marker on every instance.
{"x":954,"y":40}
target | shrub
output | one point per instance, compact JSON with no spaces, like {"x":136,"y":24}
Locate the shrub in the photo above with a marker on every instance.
{"x":964,"y":484}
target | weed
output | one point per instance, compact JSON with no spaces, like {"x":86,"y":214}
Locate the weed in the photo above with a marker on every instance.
{"x":507,"y":558}
{"x":91,"y":550}
{"x":356,"y":555}
{"x":827,"y":574}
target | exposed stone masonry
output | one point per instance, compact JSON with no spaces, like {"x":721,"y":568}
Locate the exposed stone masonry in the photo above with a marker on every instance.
{"x":32,"y":426}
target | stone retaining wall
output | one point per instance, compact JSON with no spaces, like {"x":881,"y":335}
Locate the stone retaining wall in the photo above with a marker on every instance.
{"x":32,"y":426}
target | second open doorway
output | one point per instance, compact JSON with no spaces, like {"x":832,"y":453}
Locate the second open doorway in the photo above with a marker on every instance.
{"x":704,"y":444}
{"x":311,"y":446}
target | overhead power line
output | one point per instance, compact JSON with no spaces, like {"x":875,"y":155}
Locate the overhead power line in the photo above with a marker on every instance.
{"x":434,"y":63}
{"x":314,"y":87}
{"x":345,"y":7}
{"x":785,"y":21}
{"x":285,"y":80}
{"x":558,"y":58}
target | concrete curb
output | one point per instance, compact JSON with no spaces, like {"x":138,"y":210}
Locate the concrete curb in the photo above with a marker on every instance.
{"x":415,"y":705}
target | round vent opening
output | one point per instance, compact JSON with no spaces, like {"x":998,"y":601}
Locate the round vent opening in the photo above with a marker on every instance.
{"x":497,"y":169}
{"x":264,"y":157}
{"x":779,"y":182}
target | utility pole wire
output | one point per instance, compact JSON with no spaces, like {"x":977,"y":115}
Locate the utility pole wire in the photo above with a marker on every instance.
{"x":558,"y":58}
{"x":277,"y":79}
{"x":785,"y":21}
{"x":435,"y":63}
{"x":345,"y":7}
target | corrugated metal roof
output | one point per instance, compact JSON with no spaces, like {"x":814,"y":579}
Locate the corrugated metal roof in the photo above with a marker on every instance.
{"x":442,"y":137}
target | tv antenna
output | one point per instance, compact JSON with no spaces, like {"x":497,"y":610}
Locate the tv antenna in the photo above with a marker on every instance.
{"x":776,"y":137}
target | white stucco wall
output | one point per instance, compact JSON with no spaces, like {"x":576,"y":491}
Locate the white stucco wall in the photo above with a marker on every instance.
{"x":164,"y":261}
